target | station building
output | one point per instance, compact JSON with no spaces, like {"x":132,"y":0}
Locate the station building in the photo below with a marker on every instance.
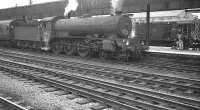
{"x":165,"y":25}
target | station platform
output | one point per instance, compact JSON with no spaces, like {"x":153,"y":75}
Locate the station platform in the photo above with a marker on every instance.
{"x":168,"y":52}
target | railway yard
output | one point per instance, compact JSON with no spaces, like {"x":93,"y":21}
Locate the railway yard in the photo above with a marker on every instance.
{"x":100,"y":55}
{"x":47,"y":81}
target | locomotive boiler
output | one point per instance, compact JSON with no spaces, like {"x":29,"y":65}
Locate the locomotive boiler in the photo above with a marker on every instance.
{"x":119,"y":25}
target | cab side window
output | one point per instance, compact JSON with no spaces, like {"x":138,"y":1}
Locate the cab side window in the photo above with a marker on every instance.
{"x":4,"y":29}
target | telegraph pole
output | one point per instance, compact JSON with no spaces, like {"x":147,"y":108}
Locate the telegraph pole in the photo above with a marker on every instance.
{"x":16,"y":11}
{"x":148,"y":23}
{"x":30,"y":2}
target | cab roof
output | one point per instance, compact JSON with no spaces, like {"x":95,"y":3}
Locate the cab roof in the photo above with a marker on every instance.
{"x":6,"y":22}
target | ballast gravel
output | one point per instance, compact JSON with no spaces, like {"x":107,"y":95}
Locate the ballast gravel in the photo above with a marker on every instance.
{"x":35,"y":96}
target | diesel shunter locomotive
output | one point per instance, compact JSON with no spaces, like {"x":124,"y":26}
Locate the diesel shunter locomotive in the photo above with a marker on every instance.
{"x":104,"y":36}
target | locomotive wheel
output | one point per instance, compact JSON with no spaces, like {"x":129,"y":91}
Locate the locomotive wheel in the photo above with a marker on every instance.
{"x":137,"y":55}
{"x":123,"y":59}
{"x":83,"y":49}
{"x":69,"y":49}
{"x":102,"y":55}
{"x":57,"y":48}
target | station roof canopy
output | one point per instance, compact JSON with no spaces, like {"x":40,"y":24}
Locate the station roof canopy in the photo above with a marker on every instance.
{"x":160,"y":14}
{"x":165,"y":16}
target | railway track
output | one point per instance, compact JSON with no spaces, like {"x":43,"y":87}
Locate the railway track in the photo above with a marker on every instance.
{"x":165,"y":64}
{"x":182,"y":86}
{"x":163,"y":100}
{"x":173,"y":64}
{"x":9,"y":103}
{"x":115,"y":96}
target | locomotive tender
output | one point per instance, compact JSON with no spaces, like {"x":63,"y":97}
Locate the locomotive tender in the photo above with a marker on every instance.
{"x":105,"y":36}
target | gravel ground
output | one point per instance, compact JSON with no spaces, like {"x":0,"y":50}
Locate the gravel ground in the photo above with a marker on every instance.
{"x":36,"y":96}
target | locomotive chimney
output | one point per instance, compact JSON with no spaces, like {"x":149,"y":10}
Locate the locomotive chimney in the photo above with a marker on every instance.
{"x":116,"y":7}
{"x":71,"y":6}
{"x":69,"y":15}
{"x":118,"y":12}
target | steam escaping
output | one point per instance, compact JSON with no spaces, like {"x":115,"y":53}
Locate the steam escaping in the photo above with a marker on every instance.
{"x":71,"y":6}
{"x":116,"y":6}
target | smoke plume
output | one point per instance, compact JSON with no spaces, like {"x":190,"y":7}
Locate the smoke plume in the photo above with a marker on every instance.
{"x":116,"y":6}
{"x":71,"y":6}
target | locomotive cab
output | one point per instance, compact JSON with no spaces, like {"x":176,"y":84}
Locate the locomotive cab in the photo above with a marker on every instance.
{"x":47,"y":31}
{"x":45,"y":35}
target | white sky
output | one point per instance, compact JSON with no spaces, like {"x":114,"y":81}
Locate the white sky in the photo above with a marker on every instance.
{"x":12,"y":3}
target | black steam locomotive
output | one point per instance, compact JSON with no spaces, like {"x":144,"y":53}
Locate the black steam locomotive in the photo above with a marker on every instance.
{"x":104,"y":36}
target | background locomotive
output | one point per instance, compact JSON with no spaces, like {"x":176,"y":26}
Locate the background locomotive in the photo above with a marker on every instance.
{"x":105,"y":36}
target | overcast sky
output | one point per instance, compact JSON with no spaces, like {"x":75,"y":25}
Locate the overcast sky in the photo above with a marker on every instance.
{"x":13,"y":3}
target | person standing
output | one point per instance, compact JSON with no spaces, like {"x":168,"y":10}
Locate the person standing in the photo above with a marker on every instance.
{"x":185,"y":42}
{"x":195,"y":43}
{"x":198,"y":44}
{"x":180,"y":41}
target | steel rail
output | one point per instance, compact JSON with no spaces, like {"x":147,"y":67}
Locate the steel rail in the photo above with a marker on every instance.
{"x":108,"y":86}
{"x":92,"y":94}
{"x":152,"y":78}
{"x":157,"y":81}
{"x":116,"y":69}
{"x":158,"y":64}
{"x":11,"y":104}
